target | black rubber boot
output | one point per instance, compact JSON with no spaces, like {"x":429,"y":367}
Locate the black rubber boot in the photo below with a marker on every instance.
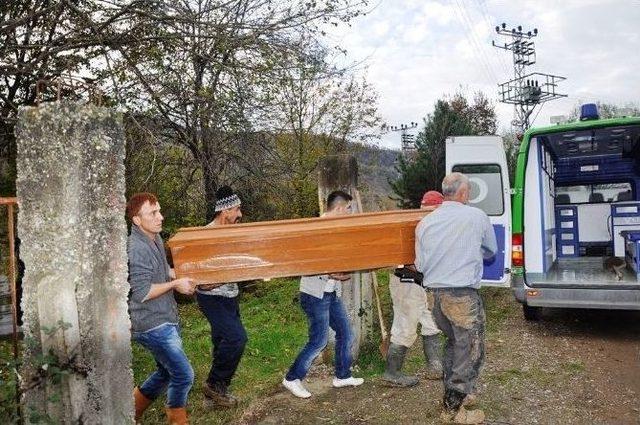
{"x":392,"y":374}
{"x":432,"y":346}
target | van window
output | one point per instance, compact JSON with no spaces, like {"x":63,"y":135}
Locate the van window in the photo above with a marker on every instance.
{"x":486,"y":186}
{"x":594,"y":193}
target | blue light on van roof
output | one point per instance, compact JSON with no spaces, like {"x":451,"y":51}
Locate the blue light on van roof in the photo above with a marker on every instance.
{"x":589,"y":111}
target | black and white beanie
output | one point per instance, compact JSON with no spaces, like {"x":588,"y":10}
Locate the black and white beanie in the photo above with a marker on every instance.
{"x":225,"y":199}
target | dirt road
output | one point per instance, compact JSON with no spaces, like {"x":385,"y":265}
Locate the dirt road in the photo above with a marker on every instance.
{"x":572,"y":367}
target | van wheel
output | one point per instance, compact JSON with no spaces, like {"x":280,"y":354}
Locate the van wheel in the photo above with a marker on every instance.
{"x":531,"y":313}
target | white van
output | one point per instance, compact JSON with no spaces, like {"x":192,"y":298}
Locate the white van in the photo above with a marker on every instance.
{"x":574,"y":208}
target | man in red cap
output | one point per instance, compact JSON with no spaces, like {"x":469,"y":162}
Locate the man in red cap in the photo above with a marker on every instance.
{"x":410,"y":308}
{"x":431,"y":200}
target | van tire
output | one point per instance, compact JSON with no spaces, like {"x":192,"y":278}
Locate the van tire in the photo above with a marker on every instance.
{"x":531,"y":313}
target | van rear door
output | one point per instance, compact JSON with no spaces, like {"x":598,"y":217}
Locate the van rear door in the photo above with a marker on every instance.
{"x":483,"y":160}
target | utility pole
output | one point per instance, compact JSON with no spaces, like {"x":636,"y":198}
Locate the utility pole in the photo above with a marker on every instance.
{"x":525,"y":91}
{"x":408,"y":140}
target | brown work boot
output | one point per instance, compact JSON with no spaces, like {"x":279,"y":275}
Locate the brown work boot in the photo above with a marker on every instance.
{"x":219,"y":396}
{"x":470,"y":400}
{"x":463,"y":416}
{"x":177,"y":416}
{"x":140,"y":402}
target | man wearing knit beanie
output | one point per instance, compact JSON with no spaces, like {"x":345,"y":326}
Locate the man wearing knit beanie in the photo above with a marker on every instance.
{"x":410,"y":308}
{"x":219,"y":304}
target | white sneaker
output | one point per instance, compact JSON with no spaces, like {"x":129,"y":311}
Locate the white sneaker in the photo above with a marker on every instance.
{"x":347,"y":382}
{"x":296,"y":388}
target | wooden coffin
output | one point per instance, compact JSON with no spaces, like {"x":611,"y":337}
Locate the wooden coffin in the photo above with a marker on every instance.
{"x":264,"y":250}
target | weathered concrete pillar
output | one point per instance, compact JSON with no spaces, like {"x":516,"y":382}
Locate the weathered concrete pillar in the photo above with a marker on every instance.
{"x":340,"y":172}
{"x":71,"y":188}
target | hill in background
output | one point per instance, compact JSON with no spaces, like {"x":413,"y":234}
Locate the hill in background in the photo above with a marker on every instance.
{"x":376,"y":167}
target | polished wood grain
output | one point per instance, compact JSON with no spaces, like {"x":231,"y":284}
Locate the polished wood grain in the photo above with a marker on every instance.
{"x":265,"y":250}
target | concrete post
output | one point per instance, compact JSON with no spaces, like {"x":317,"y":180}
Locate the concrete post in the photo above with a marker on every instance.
{"x":70,"y":185}
{"x":340,"y":172}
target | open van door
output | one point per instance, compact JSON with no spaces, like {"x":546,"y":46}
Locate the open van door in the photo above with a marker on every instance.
{"x":483,"y":160}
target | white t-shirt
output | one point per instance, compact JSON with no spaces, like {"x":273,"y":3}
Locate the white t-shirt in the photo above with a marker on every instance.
{"x":330,"y":286}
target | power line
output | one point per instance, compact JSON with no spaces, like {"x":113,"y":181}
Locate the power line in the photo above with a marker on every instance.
{"x":476,"y":49}
{"x":488,"y":20}
{"x":525,"y":91}
{"x":479,"y":45}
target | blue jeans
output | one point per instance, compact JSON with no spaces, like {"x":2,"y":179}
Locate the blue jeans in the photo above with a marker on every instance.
{"x":322,"y":314}
{"x":174,"y":372}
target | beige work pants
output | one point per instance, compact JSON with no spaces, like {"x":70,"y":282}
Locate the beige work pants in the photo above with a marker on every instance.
{"x":409,"y":309}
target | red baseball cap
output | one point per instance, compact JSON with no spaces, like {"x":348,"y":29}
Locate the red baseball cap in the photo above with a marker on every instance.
{"x":432,"y":198}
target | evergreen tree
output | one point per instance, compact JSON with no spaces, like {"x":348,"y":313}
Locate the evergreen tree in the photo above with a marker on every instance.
{"x":451,"y":117}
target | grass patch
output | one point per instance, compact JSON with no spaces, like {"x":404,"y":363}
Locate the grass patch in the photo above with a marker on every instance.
{"x":513,"y":377}
{"x":574,"y":367}
{"x":7,"y":382}
{"x":370,"y":362}
{"x":506,"y":376}
{"x":499,"y":306}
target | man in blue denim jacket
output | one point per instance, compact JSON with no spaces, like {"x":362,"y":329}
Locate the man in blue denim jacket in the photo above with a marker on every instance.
{"x":154,"y":312}
{"x":320,"y":300}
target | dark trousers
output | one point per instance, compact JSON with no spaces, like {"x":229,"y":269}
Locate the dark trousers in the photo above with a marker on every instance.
{"x":227,"y":335}
{"x":459,"y":313}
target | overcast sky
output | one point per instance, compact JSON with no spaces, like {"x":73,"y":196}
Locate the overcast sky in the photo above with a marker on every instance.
{"x":414,"y":51}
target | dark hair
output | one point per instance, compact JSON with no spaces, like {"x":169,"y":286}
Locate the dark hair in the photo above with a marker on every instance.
{"x":224,"y":192}
{"x":337,"y":196}
{"x":137,"y":200}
